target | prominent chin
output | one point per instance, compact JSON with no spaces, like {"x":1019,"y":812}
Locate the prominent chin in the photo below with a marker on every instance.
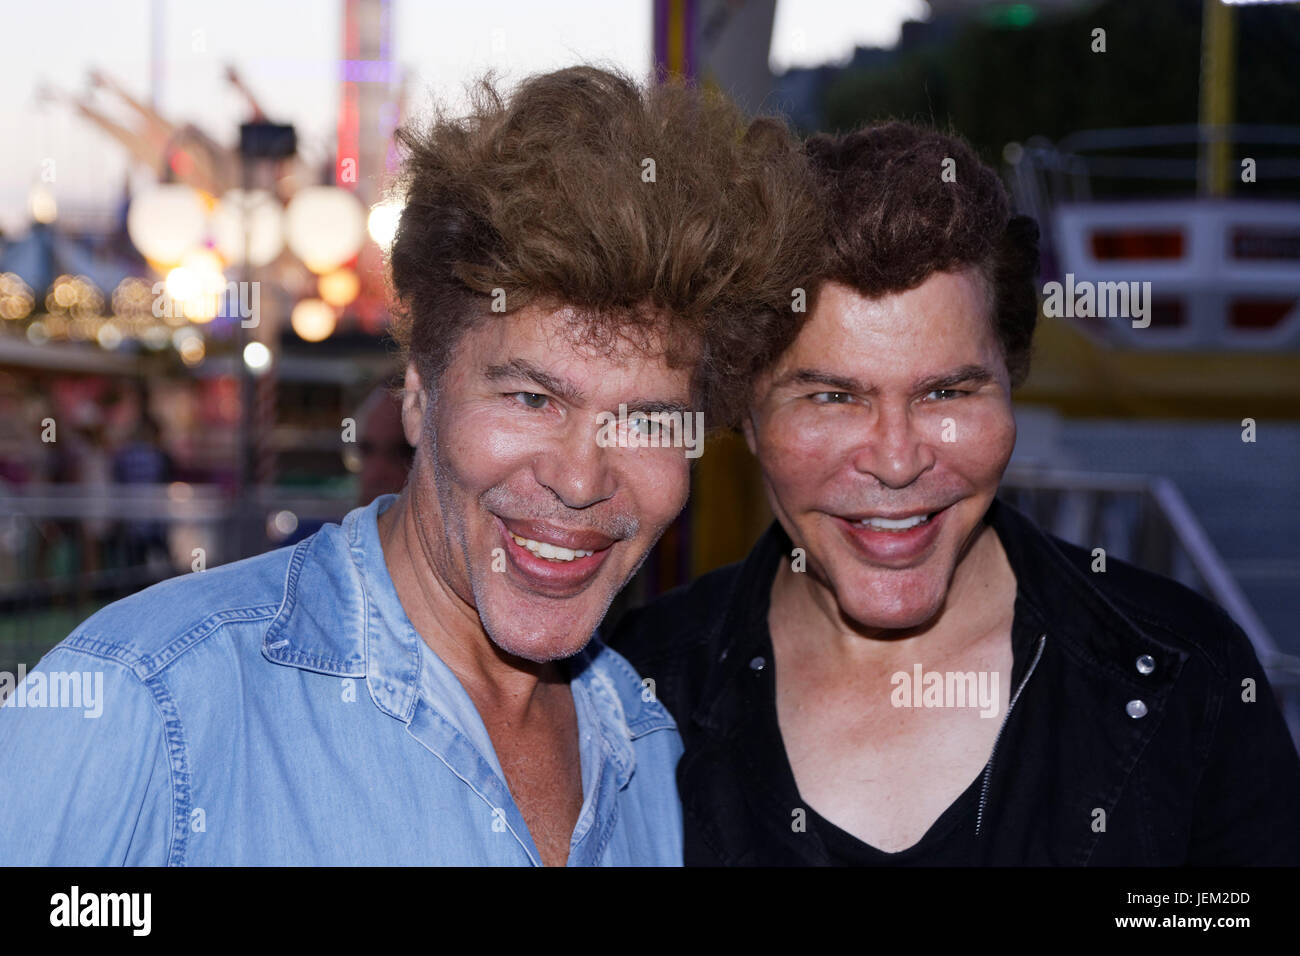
{"x":540,"y":648}
{"x":541,"y":630}
{"x":892,"y":601}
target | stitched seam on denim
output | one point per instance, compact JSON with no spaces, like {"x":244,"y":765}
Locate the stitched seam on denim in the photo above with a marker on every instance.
{"x":595,"y":807}
{"x":325,"y":665}
{"x":354,"y":553}
{"x":329,"y":666}
{"x":469,"y":783}
{"x":289,"y":599}
{"x":639,"y":733}
{"x":598,"y":694}
{"x":651,"y":711}
{"x":177,"y":762}
{"x":608,"y":832}
{"x":321,"y":664}
{"x":410,"y":678}
{"x":146,"y":665}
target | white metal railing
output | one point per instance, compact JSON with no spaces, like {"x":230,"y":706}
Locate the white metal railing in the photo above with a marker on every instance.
{"x":1146,"y":520}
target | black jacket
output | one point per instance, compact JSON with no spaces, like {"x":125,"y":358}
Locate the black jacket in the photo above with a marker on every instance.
{"x":1202,"y":776}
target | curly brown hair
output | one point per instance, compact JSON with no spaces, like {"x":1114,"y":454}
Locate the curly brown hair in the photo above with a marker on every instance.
{"x":892,"y":221}
{"x":546,"y":196}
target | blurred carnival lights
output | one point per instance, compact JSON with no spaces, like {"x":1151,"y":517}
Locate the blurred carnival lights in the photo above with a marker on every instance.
{"x":260,"y":214}
{"x":313,"y":320}
{"x":339,"y":287}
{"x":167,"y":222}
{"x":257,"y":357}
{"x":382,"y":222}
{"x":325,"y":226}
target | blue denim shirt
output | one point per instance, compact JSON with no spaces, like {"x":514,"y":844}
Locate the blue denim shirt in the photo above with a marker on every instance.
{"x":283,"y":710}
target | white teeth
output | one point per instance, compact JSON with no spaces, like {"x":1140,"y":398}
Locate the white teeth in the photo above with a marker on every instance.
{"x":552,"y":552}
{"x":894,"y":524}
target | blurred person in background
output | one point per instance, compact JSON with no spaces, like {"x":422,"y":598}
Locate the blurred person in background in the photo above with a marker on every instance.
{"x":383,"y":455}
{"x":142,"y":460}
{"x":89,"y":465}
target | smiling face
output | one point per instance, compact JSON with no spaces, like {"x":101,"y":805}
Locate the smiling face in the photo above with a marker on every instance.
{"x":522,"y":514}
{"x":883,"y":433}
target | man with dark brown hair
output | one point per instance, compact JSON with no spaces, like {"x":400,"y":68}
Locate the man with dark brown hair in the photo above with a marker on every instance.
{"x":420,"y":685}
{"x":905,"y":671}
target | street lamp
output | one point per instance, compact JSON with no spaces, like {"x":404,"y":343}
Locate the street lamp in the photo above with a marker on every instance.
{"x":250,"y":220}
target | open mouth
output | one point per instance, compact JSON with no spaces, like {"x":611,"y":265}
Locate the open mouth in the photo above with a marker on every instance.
{"x":893,"y":540}
{"x":553,"y":560}
{"x":896,"y":524}
{"x":548,"y":551}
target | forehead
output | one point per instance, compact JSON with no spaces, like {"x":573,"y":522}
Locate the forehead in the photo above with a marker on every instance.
{"x":946,"y":320}
{"x":572,"y":343}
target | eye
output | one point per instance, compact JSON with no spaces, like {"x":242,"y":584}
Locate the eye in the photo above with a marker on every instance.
{"x":530,"y":399}
{"x":831,"y":398}
{"x":945,"y":394}
{"x":643,"y":424}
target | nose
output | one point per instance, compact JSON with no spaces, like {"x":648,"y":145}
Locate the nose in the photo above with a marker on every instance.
{"x":576,"y":468}
{"x":894,"y":450}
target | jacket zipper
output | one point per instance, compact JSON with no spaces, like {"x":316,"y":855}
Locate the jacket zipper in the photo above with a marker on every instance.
{"x":988,"y":770}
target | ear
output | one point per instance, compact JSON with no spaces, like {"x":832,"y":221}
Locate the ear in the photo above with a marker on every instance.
{"x":747,"y":426}
{"x":413,"y":405}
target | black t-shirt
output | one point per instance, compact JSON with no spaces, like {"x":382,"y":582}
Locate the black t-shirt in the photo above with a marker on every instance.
{"x":949,"y":842}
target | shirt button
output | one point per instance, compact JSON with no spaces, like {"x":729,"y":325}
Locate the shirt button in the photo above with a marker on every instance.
{"x":1146,"y":664}
{"x":757,"y":664}
{"x":1136,"y":708}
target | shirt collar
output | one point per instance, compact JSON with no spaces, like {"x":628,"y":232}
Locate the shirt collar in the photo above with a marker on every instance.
{"x":341,"y":614}
{"x":393,"y":647}
{"x":1066,"y":602}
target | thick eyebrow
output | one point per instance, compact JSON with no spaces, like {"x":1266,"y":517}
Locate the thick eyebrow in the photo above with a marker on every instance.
{"x":523,"y":369}
{"x":650,"y":406}
{"x":812,"y":376}
{"x":517,"y":369}
{"x":962,"y":375}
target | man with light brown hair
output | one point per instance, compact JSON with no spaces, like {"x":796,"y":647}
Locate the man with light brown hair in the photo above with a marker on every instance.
{"x":420,"y":684}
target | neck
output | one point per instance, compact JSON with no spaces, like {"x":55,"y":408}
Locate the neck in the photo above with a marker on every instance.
{"x":449,"y":623}
{"x":979,"y":603}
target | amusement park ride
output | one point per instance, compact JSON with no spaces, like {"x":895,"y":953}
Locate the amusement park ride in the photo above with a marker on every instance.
{"x":1223,"y":333}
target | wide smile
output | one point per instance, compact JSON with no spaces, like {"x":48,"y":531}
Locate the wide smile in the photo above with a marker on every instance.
{"x":552,"y":560}
{"x":895,"y":540}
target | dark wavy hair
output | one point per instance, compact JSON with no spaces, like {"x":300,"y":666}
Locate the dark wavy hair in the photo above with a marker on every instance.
{"x":544,"y":196}
{"x":892,"y":221}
